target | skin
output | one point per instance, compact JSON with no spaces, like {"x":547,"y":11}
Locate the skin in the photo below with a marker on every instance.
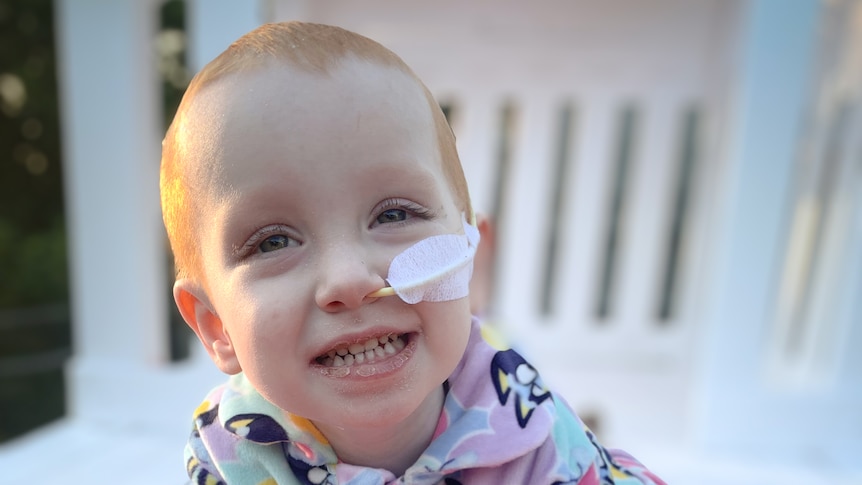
{"x":333,"y":175}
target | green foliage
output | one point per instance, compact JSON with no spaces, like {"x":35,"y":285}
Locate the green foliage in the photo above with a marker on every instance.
{"x":32,"y":237}
{"x":31,"y":195}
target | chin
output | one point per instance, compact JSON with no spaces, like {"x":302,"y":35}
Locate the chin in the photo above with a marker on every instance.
{"x":382,"y":410}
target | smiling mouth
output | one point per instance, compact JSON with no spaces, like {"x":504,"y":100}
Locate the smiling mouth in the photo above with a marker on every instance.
{"x":374,"y":356}
{"x":363,"y":352}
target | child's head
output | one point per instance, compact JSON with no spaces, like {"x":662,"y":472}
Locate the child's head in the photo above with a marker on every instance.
{"x":301,"y":47}
{"x":300,"y":163}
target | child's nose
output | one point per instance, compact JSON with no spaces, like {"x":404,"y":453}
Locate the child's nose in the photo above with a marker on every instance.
{"x":346,"y":278}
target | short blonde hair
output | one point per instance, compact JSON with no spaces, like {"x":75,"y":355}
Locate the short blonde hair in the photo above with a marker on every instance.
{"x":307,"y":46}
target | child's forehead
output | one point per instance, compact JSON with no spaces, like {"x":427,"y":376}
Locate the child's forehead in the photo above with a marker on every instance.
{"x":284,"y":90}
{"x":351,"y":76}
{"x":257,"y":99}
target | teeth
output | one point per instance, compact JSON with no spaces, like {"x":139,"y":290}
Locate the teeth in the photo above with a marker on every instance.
{"x":366,"y":352}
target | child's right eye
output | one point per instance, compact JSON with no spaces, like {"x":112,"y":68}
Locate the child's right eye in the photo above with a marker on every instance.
{"x":273,"y":243}
{"x":268,"y":239}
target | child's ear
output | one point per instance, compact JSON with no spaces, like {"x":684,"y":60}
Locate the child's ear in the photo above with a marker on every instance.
{"x":482,"y":283}
{"x":198,"y":313}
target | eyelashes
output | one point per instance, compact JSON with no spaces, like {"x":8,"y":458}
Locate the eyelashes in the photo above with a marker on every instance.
{"x":391,"y":213}
{"x":268,"y":239}
{"x":401,"y":210}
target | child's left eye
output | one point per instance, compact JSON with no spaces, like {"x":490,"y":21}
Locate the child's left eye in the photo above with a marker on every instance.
{"x":392,"y":215}
{"x":399,"y":210}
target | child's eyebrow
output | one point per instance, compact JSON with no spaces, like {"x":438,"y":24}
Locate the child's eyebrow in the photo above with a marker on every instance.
{"x":406,"y":170}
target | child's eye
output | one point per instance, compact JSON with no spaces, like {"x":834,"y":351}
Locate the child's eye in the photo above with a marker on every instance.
{"x":274,"y":243}
{"x":392,"y":215}
{"x":399,"y":210}
{"x":267,"y":240}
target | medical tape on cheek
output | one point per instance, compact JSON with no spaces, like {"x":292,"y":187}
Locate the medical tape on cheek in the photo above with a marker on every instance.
{"x":435,"y":269}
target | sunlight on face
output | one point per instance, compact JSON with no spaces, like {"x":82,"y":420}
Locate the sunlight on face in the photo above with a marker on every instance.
{"x":321,"y":180}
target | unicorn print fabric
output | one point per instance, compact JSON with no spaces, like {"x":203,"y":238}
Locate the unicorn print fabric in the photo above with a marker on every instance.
{"x":239,"y":438}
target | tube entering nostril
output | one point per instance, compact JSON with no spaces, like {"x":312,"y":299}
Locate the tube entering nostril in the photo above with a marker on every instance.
{"x":385,"y":291}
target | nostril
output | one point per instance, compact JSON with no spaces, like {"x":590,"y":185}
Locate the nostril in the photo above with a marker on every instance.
{"x":333,"y":306}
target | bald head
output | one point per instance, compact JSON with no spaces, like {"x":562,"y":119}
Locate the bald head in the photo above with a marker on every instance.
{"x":188,"y":176}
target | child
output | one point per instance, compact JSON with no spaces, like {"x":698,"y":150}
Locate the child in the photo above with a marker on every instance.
{"x":320,"y":223}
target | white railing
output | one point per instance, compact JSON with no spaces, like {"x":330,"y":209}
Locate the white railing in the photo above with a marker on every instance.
{"x":593,"y":200}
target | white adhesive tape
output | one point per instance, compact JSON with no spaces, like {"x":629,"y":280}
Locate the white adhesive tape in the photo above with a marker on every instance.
{"x":435,"y":269}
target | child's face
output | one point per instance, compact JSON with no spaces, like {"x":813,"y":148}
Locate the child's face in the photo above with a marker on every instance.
{"x":321,"y":181}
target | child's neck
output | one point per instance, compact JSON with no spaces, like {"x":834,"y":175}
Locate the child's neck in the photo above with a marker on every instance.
{"x":393,"y":447}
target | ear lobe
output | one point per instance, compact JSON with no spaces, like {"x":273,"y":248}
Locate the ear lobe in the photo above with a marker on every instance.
{"x":199,"y":315}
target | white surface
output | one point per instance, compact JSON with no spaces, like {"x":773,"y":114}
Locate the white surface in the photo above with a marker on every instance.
{"x":80,"y":454}
{"x":130,"y":427}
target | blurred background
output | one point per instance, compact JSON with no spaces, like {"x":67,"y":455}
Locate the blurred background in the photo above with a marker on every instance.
{"x":675,"y":188}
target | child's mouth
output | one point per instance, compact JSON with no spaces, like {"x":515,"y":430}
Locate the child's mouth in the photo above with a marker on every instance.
{"x":365,"y":352}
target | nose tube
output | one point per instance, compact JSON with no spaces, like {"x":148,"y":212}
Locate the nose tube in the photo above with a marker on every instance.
{"x":437,"y":268}
{"x":385,"y":291}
